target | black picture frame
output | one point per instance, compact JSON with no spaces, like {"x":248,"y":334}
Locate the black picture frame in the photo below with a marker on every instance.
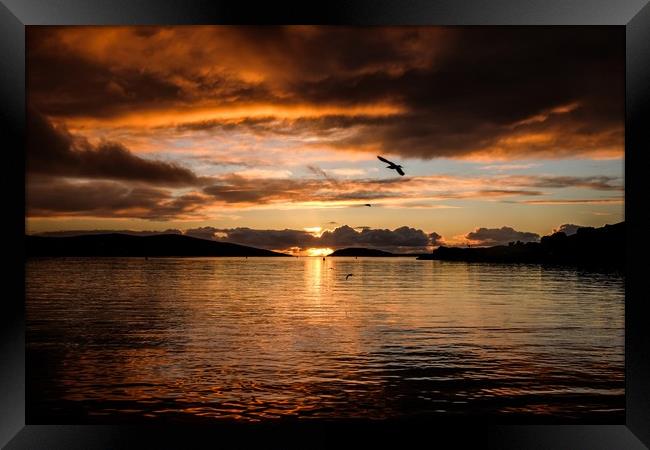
{"x":634,"y":15}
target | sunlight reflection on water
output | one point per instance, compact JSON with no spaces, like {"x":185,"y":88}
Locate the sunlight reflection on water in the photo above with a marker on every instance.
{"x":262,"y":338}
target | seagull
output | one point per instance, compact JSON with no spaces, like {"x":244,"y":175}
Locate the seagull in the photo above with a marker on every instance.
{"x":393,"y":166}
{"x":348,"y":276}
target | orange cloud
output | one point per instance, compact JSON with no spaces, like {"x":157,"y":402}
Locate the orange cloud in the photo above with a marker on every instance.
{"x":420,"y":92}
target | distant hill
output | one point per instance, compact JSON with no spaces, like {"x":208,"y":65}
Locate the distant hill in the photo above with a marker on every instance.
{"x":116,"y":244}
{"x":603,"y":246}
{"x":357,"y":251}
{"x":352,"y":251}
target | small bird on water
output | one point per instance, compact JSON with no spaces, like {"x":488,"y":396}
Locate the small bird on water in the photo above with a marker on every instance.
{"x":392,"y":165}
{"x":348,"y":276}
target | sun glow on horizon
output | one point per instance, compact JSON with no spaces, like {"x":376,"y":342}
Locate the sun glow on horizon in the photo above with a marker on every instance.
{"x":319,"y":251}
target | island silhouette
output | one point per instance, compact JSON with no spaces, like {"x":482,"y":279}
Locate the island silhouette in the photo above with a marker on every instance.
{"x":589,"y":246}
{"x":603,"y":246}
{"x":117,"y":244}
{"x":360,"y":251}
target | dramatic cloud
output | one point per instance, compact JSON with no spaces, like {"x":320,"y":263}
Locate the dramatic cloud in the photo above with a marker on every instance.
{"x":320,"y":172}
{"x":567,"y":228}
{"x":270,"y":239}
{"x":573,"y":201}
{"x":412,"y":91}
{"x":54,"y":151}
{"x":130,"y":232}
{"x":435,"y":238}
{"x":48,"y":196}
{"x":167,"y":123}
{"x":600,"y":183}
{"x":403,"y":239}
{"x":58,"y":197}
{"x":235,"y":189}
{"x":503,"y":167}
{"x":499,"y":236}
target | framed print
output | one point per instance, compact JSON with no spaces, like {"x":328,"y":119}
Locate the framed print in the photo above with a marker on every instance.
{"x":286,"y":225}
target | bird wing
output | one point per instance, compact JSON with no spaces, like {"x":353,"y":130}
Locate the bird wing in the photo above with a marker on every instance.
{"x":399,"y":170}
{"x":384,"y":160}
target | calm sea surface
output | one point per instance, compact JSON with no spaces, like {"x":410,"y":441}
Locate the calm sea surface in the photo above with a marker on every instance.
{"x":120,"y":339}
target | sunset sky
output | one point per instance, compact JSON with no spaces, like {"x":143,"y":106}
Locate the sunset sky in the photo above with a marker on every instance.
{"x":268,"y":136}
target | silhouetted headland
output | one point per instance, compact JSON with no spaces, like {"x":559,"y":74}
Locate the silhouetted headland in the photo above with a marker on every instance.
{"x":358,"y":251}
{"x":116,"y":244}
{"x":589,"y":246}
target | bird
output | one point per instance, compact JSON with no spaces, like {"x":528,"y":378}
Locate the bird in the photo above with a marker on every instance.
{"x":393,"y":166}
{"x":348,"y":276}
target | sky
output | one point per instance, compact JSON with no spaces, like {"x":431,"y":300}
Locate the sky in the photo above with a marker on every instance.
{"x":269,"y":136}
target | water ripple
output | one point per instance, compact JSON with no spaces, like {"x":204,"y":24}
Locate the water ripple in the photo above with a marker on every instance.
{"x":266,"y":338}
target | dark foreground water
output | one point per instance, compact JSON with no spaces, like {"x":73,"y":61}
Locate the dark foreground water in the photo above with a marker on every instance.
{"x":114,"y":340}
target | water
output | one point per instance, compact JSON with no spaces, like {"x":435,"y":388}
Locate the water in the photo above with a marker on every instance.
{"x":114,"y":340}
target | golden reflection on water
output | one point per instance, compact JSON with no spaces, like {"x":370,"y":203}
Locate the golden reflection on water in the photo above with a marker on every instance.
{"x":264,"y":338}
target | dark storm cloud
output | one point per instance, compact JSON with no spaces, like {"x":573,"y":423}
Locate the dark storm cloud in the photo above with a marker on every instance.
{"x":487,"y":82}
{"x":526,"y":91}
{"x":54,"y":151}
{"x":47,"y":197}
{"x":251,"y":124}
{"x":64,"y":82}
{"x":500,"y":236}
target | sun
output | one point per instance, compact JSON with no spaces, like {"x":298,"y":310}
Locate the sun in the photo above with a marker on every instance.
{"x":316,"y":231}
{"x":319,"y":251}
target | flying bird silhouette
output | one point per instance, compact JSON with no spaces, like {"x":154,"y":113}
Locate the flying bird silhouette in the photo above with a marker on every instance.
{"x":348,"y":276}
{"x":393,"y":166}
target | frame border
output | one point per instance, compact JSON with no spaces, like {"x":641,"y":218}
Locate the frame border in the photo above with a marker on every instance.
{"x":634,"y":15}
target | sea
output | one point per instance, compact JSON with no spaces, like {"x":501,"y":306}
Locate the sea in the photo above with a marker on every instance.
{"x":195,"y":340}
